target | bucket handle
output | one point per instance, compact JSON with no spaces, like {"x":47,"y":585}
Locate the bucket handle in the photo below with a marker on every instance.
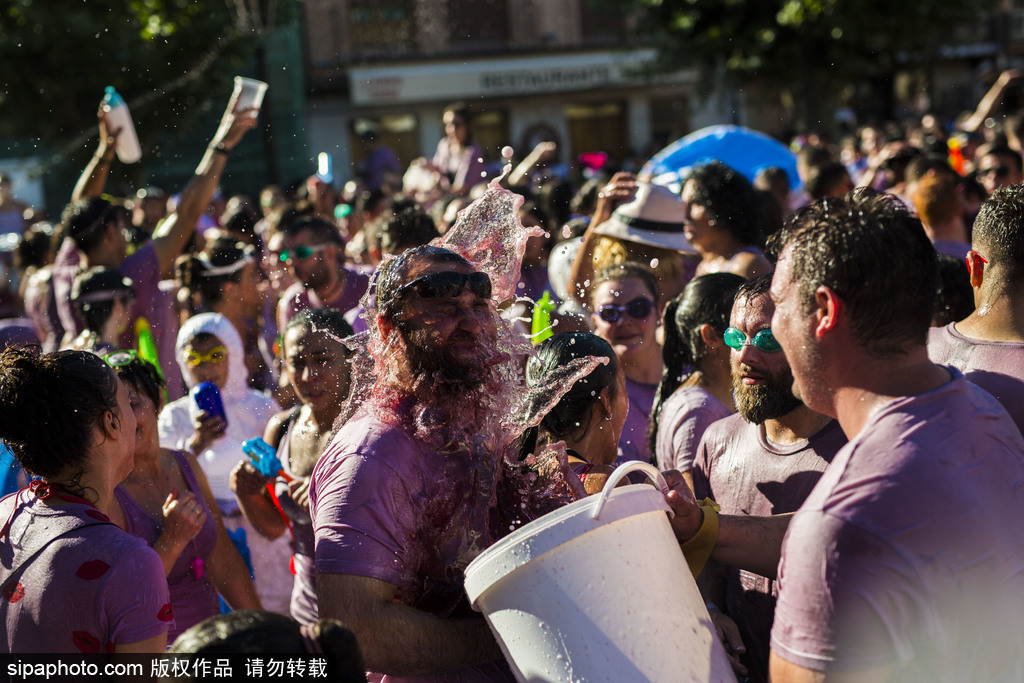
{"x":620,"y":472}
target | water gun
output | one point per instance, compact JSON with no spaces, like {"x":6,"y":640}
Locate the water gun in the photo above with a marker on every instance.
{"x":147,"y":347}
{"x":264,"y":457}
{"x":541,"y":325}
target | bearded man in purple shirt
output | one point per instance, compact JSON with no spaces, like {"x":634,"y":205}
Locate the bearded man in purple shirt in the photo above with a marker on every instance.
{"x":401,"y":499}
{"x":764,"y":460}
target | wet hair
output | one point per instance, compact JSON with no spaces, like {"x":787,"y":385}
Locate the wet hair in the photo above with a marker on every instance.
{"x":108,"y":284}
{"x":49,"y":405}
{"x":323,"y":231}
{"x":706,"y":300}
{"x":86,"y":220}
{"x":142,"y":375}
{"x":329,"y":320}
{"x":391,"y":274}
{"x":751,"y":289}
{"x":406,"y":228}
{"x":729,"y":198}
{"x":571,"y":415}
{"x":202,"y":272}
{"x":250,"y":631}
{"x":874,"y":255}
{"x":954,"y":296}
{"x":624,"y":271}
{"x":999,"y":231}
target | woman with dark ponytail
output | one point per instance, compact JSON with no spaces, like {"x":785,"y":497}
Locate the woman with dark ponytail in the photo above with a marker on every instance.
{"x":696,"y":385}
{"x":70,"y":580}
{"x":590,"y":416}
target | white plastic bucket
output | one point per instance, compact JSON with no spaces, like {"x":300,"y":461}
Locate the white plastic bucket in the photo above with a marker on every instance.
{"x":598,"y":591}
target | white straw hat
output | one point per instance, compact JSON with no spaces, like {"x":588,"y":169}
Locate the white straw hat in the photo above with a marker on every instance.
{"x":654,"y":217}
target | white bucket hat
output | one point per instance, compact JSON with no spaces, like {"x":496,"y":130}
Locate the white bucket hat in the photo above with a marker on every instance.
{"x":654,"y":217}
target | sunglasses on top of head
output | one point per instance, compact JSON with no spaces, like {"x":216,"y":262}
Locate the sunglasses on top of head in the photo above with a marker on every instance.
{"x":637,"y":309}
{"x":763,"y":340}
{"x":448,"y":284}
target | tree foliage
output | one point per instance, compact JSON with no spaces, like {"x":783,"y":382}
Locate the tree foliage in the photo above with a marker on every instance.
{"x":171,"y":60}
{"x":810,"y":46}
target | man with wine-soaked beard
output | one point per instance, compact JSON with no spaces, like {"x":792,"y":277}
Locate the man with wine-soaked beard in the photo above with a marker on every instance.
{"x":762,"y":461}
{"x":401,"y":498}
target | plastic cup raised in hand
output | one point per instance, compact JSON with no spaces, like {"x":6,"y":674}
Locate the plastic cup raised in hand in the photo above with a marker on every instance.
{"x":249,"y":94}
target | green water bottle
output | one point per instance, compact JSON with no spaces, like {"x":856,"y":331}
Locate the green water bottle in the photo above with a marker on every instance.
{"x":541,"y":326}
{"x":147,"y":347}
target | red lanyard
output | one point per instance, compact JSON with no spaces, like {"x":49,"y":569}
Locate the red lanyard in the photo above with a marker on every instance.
{"x":44,"y":491}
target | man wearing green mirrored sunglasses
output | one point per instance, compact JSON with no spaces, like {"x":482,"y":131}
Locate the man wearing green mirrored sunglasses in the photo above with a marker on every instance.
{"x":314,"y":253}
{"x":762,"y":461}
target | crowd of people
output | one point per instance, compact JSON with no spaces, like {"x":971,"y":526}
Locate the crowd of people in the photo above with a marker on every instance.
{"x":845,"y":501}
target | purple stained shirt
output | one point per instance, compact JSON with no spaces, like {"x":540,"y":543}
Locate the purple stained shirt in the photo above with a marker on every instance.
{"x":746,"y":474}
{"x":142,"y":267}
{"x":952,"y":248}
{"x":908,"y":553}
{"x":193,"y":598}
{"x":465,"y":169}
{"x":388,"y":507}
{"x":685,"y":415}
{"x":996,"y":367}
{"x":633,"y":441}
{"x":297,"y":298}
{"x":152,"y":302}
{"x":86,"y":592}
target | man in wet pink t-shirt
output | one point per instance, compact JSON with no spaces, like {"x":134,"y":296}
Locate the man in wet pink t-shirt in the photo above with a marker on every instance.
{"x":764,"y":460}
{"x":905,"y":562}
{"x":988,"y":345}
{"x":401,"y":498}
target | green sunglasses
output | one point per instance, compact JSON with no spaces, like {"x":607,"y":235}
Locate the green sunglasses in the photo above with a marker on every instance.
{"x":301,"y":252}
{"x":763,"y":340}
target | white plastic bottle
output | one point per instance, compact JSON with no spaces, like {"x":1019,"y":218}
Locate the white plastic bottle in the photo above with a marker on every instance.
{"x":118,"y":116}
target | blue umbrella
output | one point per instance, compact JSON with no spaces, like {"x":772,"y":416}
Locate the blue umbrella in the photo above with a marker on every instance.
{"x":748,"y":151}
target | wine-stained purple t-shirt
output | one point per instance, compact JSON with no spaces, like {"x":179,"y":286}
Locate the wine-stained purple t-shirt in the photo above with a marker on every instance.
{"x":193,"y":597}
{"x":685,"y":416}
{"x":86,"y":592}
{"x":388,"y":507}
{"x":996,"y":367}
{"x":633,"y":442}
{"x":746,"y":474}
{"x":908,"y":552}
